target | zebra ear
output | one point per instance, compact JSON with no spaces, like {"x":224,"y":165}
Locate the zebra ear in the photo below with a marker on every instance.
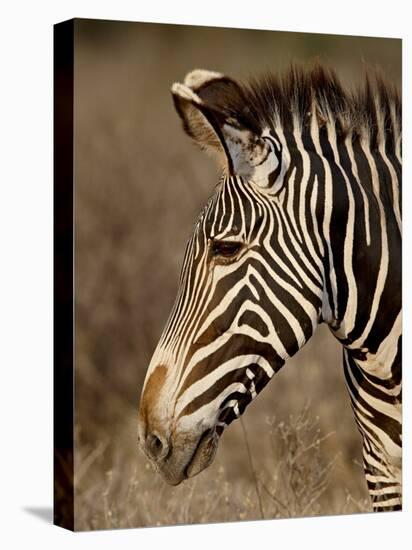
{"x":203,"y":103}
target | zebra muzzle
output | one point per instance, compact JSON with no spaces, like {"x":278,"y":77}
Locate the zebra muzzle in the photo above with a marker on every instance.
{"x":203,"y":454}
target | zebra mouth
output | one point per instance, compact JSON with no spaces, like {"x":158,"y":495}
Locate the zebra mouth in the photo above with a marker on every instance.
{"x":203,"y":454}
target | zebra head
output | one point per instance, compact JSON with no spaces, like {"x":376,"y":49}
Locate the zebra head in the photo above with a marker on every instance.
{"x":251,"y":286}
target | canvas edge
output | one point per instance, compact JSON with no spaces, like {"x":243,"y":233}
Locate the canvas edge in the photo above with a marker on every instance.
{"x":63,"y":274}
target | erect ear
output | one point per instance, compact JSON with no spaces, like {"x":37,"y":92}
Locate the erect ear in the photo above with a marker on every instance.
{"x":206,"y":104}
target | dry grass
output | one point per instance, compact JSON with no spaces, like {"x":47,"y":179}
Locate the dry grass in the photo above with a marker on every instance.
{"x":139,"y":187}
{"x":117,"y":488}
{"x":301,"y":470}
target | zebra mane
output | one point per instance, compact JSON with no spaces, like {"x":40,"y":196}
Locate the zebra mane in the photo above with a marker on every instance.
{"x":371,"y":111}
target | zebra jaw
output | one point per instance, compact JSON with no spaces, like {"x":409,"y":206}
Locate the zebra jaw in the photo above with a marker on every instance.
{"x":203,"y":455}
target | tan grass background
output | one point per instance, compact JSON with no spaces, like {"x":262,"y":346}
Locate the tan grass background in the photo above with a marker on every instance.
{"x":139,"y":186}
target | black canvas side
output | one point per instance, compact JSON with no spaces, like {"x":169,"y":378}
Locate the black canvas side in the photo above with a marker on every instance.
{"x":63,"y":274}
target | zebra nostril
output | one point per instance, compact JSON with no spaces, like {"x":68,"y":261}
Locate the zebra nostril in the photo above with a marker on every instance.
{"x":155,"y":446}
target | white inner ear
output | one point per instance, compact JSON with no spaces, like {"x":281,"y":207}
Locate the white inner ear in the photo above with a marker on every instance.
{"x":252,"y":157}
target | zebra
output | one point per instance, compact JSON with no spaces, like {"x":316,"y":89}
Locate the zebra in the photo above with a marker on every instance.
{"x":303,"y":228}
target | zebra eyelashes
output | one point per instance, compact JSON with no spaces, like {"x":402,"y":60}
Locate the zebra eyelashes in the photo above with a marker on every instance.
{"x":225,"y":250}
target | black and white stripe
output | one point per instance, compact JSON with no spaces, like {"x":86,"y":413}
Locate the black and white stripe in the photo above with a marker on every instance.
{"x":305,"y":228}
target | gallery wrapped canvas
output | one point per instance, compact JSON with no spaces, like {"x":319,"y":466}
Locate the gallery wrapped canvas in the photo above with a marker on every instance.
{"x":188,"y":275}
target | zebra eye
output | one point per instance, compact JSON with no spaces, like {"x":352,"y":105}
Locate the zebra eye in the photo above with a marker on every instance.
{"x":226,"y":249}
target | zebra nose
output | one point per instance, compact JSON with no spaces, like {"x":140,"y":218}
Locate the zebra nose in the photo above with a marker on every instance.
{"x":156,"y":446}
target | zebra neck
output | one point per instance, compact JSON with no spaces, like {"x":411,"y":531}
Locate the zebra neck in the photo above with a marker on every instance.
{"x":357,"y":211}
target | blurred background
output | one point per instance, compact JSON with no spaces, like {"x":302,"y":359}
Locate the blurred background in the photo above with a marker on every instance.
{"x":139,"y":186}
